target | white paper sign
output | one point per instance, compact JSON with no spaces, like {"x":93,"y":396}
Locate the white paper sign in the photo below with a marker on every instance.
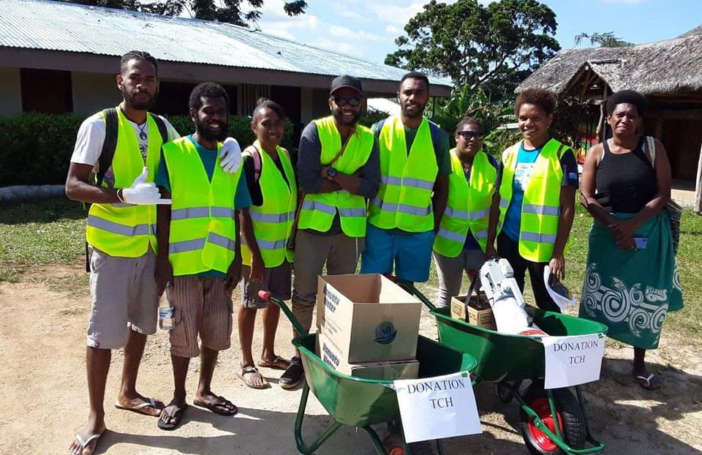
{"x":437,"y":408}
{"x":573,"y":360}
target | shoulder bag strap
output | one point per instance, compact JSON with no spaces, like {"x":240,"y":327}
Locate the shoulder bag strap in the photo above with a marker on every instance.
{"x":109,"y":145}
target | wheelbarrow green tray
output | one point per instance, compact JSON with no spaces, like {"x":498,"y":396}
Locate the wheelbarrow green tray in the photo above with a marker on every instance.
{"x":360,"y":402}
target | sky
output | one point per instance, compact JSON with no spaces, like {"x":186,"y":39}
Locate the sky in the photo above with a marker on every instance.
{"x":367,"y":28}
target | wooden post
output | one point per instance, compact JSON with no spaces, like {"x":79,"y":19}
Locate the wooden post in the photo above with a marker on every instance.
{"x":602,"y":123}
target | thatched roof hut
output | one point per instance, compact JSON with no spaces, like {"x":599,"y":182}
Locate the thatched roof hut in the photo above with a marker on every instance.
{"x":670,"y":67}
{"x":668,"y":72}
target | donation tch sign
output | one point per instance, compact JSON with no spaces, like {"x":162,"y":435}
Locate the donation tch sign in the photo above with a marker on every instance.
{"x":573,"y":360}
{"x":437,"y":408}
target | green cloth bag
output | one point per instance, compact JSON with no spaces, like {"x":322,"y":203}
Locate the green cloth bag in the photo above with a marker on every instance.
{"x":631,"y":292}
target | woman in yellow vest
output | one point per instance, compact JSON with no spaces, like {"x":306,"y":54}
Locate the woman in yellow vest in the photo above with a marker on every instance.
{"x":462,"y":237}
{"x":533,"y":214}
{"x":265,"y":230}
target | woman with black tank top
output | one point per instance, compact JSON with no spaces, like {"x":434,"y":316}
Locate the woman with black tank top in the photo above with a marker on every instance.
{"x":631,"y":281}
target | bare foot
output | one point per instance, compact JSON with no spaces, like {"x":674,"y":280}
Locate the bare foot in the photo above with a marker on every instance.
{"x":646,"y":380}
{"x":87,"y":438}
{"x":252,"y":378}
{"x":172,"y":415}
{"x":139,"y":403}
{"x":218,"y":405}
{"x":274,"y":361}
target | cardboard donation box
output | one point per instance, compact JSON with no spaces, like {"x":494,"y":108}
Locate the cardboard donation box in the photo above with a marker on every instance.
{"x":368,"y":317}
{"x":476,"y":312}
{"x":389,"y":371}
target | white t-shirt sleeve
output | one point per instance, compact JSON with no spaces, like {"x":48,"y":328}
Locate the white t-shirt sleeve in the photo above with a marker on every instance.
{"x":89,"y":141}
{"x":172,"y":133}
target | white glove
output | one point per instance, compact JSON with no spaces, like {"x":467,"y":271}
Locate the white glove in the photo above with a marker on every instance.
{"x":230,"y":155}
{"x":143,"y":193}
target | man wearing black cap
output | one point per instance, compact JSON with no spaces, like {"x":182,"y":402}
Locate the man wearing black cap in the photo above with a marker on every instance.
{"x":338,"y":171}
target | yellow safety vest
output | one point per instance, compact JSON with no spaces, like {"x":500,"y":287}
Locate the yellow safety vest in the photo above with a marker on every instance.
{"x":541,"y":206}
{"x":318,"y":210}
{"x":203,"y":232}
{"x":126,"y":230}
{"x":407,"y":181}
{"x":273,"y":221}
{"x":468,"y":205}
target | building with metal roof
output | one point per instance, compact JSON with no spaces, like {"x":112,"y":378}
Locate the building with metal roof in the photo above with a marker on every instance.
{"x":61,"y":57}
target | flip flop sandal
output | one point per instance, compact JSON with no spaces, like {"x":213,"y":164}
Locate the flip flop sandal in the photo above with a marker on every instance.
{"x":278,"y":363}
{"x":84,"y":444}
{"x":221,"y":408}
{"x":646,"y":382}
{"x":140,"y":408}
{"x":174,"y":420}
{"x":247,"y":380}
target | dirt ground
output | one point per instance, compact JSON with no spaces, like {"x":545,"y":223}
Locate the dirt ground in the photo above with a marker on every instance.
{"x":43,"y":391}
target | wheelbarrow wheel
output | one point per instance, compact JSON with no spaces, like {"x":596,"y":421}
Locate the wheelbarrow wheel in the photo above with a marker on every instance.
{"x":569,"y":416}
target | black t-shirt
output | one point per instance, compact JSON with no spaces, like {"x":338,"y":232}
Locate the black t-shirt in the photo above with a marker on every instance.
{"x":252,"y":184}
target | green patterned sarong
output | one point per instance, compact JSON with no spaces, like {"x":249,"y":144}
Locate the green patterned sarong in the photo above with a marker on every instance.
{"x":632,"y":291}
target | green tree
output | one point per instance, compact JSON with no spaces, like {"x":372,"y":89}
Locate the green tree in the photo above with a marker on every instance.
{"x":474,"y":44}
{"x":229,"y":11}
{"x":606,"y":39}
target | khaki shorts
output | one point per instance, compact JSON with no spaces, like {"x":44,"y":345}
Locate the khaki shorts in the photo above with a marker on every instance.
{"x":202,"y":306}
{"x":124,"y":295}
{"x":278,"y":281}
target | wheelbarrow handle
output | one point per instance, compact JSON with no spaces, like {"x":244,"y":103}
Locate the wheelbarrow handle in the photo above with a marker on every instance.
{"x":409,"y":287}
{"x":266,"y":295}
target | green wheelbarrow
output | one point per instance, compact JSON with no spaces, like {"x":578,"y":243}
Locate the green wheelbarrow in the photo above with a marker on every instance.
{"x":360,"y":402}
{"x":509,"y":360}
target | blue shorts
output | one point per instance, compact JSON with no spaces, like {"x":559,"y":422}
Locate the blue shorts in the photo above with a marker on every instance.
{"x":410,"y":252}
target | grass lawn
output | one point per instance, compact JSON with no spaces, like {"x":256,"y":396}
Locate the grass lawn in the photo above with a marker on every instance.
{"x":53,"y":232}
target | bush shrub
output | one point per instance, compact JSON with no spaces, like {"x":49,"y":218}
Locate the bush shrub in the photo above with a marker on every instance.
{"x":36,"y":149}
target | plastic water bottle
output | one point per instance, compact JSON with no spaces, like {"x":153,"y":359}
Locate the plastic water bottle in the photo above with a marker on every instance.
{"x":166,"y":315}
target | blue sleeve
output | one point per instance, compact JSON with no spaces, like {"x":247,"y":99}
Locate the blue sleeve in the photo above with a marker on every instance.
{"x":570,"y":169}
{"x":162,"y":178}
{"x":242,"y":200}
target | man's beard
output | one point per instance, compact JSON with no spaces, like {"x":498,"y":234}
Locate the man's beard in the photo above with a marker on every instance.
{"x":342,"y":121}
{"x":204,"y":131}
{"x":419,"y":114}
{"x":130,"y":101}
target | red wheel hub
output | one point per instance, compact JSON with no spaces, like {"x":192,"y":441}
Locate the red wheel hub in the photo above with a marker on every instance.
{"x":543,"y":410}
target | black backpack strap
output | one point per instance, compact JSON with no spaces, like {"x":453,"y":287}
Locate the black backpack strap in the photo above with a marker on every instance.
{"x":109,"y":145}
{"x":161,"y":128}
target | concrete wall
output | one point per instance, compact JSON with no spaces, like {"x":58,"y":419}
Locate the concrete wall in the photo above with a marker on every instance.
{"x":10,"y":91}
{"x":93,"y":92}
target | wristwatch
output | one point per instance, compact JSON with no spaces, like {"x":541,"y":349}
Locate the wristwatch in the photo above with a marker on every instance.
{"x":331,"y":172}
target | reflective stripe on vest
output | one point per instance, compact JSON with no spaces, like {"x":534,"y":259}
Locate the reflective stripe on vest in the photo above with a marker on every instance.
{"x":273,"y":220}
{"x":468,"y":206}
{"x":202,"y":212}
{"x":407,"y":179}
{"x":198,"y":244}
{"x":202,"y":237}
{"x":402,"y":208}
{"x":120,"y":229}
{"x":541,"y":204}
{"x":318,"y":210}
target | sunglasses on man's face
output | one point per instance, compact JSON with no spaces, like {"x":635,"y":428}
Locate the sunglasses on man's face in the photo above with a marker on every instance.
{"x":343,"y":101}
{"x":468,"y":135}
